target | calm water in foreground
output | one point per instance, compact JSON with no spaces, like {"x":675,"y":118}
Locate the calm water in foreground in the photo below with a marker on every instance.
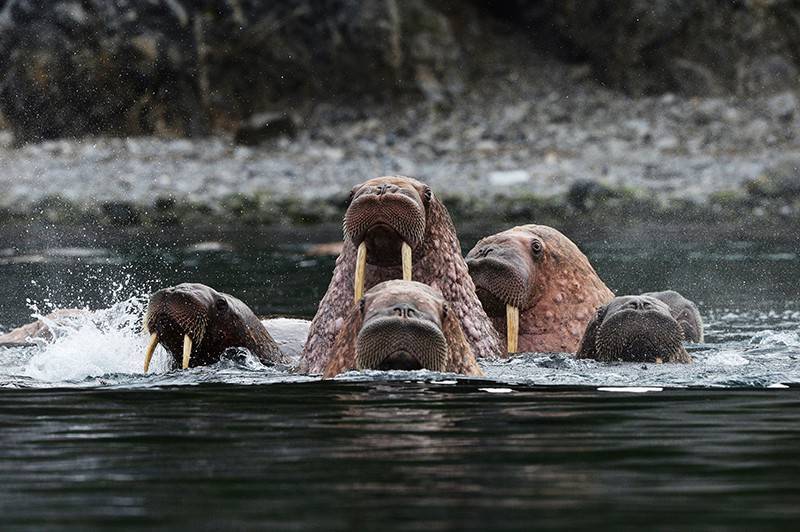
{"x":543,"y":442}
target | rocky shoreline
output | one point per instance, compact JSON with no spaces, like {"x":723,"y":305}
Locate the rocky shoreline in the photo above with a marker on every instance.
{"x":531,"y":138}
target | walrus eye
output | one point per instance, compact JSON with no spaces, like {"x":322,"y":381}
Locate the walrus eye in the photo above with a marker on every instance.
{"x":221,"y":304}
{"x":536,"y":248}
{"x":427,"y":194}
{"x":445,"y":310}
{"x":350,"y":198}
{"x":361,"y":306}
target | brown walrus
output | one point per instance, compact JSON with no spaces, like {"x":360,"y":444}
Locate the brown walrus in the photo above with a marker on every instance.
{"x":538,"y":288}
{"x":646,"y":328}
{"x":396,"y":228}
{"x":196,"y":324}
{"x":402,"y":325}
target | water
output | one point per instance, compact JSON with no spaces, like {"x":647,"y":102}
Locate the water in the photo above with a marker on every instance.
{"x":543,"y":441}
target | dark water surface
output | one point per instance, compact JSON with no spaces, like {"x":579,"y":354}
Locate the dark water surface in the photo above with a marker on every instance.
{"x":543,"y":442}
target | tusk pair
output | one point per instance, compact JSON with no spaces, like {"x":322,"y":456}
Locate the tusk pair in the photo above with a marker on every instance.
{"x":361,"y":268}
{"x":151,"y":347}
{"x":512,"y":327}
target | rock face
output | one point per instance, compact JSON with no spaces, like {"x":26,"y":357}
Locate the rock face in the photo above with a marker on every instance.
{"x":696,"y":47}
{"x":185,"y":68}
{"x":70,"y":68}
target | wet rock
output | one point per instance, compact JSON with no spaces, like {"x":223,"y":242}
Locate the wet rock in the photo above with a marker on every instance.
{"x":696,"y":47}
{"x":585,"y":194}
{"x":782,"y":180}
{"x":185,"y":68}
{"x":121,"y":213}
{"x":265,"y":126}
{"x":783,"y":106}
{"x":507,"y":178}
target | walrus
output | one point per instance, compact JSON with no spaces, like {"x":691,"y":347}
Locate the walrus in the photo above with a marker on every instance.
{"x":646,"y":328}
{"x":395,"y":228}
{"x":195,"y":324}
{"x":402,"y":325}
{"x":538,"y":288}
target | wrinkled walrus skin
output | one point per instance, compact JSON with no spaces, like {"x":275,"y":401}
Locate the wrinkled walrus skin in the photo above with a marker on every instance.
{"x":437,"y":262}
{"x":543,"y":273}
{"x":402,"y":325}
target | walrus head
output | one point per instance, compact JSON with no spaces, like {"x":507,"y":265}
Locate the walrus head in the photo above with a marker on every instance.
{"x":536,"y":270}
{"x":634,"y":329}
{"x":386,"y":220}
{"x":196,"y":324}
{"x":402,"y":325}
{"x":389,"y":222}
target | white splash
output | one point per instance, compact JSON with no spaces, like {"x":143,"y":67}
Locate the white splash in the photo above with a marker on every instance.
{"x":94,"y":343}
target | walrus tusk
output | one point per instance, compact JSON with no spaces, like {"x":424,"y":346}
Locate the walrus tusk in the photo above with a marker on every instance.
{"x":361,"y":267}
{"x":405,"y":253}
{"x":512,"y":326}
{"x":187,"y":350}
{"x":151,"y":347}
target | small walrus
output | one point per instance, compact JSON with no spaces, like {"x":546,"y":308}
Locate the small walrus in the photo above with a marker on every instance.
{"x":647,"y":328}
{"x":538,"y":288}
{"x":196,"y":324}
{"x":403,"y":325}
{"x":395,"y":228}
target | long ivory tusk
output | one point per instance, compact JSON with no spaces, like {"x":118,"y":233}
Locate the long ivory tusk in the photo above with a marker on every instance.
{"x":187,"y":350}
{"x":151,"y":347}
{"x":405,"y":253}
{"x":361,"y":267}
{"x":512,"y":326}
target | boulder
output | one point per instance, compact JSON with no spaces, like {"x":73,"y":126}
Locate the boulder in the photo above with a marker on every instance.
{"x":174,"y":67}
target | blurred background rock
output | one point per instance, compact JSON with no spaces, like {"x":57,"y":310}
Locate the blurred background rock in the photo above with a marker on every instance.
{"x":665,"y":100}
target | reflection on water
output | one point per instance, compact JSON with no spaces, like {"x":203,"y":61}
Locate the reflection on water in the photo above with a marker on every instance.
{"x":88,"y":441}
{"x":400,"y":455}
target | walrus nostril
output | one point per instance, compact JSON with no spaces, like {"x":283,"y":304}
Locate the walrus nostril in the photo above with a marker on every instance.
{"x":404,"y":311}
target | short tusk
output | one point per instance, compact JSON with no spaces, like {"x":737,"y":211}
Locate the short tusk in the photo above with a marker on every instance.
{"x":405,"y":252}
{"x":512,"y":327}
{"x":361,"y":267}
{"x":187,"y":350}
{"x":151,"y":347}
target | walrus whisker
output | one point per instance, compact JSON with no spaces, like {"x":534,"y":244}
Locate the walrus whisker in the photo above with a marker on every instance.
{"x":361,"y":268}
{"x":405,"y":253}
{"x":512,"y":325}
{"x":151,"y":347}
{"x":187,"y":350}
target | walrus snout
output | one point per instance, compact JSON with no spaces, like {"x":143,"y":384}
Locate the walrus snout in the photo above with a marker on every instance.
{"x":400,"y":342}
{"x":178,"y":317}
{"x":385,"y":221}
{"x":499,"y":281}
{"x":639,"y":329}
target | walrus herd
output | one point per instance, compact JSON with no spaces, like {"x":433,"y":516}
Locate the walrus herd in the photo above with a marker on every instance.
{"x":402,"y":297}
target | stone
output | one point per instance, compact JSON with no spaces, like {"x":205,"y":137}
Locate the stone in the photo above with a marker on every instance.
{"x":507,"y":178}
{"x":262,"y":127}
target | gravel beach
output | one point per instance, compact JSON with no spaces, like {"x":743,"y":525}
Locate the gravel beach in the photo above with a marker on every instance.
{"x":535,"y":128}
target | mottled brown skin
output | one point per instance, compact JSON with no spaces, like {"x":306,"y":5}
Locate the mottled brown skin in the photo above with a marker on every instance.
{"x":402,"y":325}
{"x":640,"y":329}
{"x":383,"y":212}
{"x":545,"y":275}
{"x":215,"y":321}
